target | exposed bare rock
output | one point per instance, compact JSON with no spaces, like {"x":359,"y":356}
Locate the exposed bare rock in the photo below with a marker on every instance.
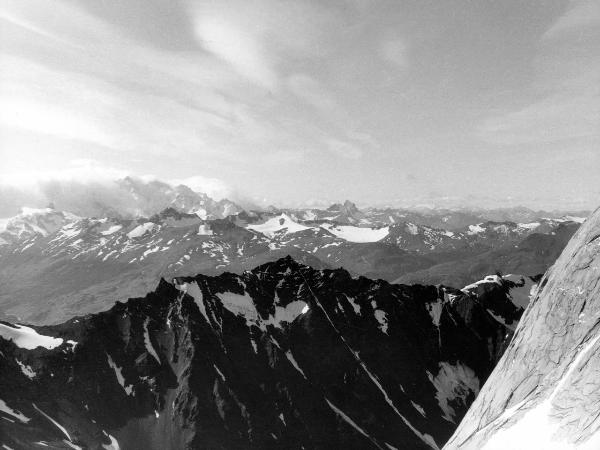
{"x":545,"y":391}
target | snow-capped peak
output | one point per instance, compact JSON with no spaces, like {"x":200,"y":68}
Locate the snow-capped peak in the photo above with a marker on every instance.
{"x":277,"y":224}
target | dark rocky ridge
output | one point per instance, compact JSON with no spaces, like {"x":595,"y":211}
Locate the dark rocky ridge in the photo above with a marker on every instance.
{"x":283,"y":356}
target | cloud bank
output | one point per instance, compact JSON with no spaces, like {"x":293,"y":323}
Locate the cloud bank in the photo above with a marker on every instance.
{"x":91,"y":190}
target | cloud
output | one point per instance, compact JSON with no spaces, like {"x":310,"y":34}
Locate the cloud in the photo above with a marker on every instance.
{"x":554,"y":118}
{"x":83,"y":188}
{"x":11,"y":19}
{"x":564,"y":102}
{"x":395,"y":52}
{"x":343,"y":149}
{"x":311,"y":91}
{"x":72,"y":92}
{"x":213,"y":187}
{"x":256,"y":38}
{"x":581,"y":14}
{"x":78,"y":171}
{"x":240,"y":48}
{"x":83,"y":87}
{"x":32,"y":115}
{"x":88,"y":188}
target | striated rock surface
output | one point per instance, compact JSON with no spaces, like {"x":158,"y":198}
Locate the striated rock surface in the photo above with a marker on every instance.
{"x":545,"y":391}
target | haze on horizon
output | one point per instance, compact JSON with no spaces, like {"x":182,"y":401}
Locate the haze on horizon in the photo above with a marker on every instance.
{"x":487,"y":103}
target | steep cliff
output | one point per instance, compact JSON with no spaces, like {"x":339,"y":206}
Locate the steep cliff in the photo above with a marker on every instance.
{"x":545,"y":391}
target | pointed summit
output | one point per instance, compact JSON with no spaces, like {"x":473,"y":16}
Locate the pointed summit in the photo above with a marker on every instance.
{"x":346,"y":213}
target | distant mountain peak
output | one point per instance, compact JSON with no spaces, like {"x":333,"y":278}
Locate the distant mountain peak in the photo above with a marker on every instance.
{"x":347,"y":206}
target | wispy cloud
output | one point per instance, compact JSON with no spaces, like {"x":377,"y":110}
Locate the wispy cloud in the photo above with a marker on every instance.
{"x":87,"y":187}
{"x":83,"y":81}
{"x":395,"y":52}
{"x":565,"y":100}
{"x":560,"y":116}
{"x":259,"y":93}
{"x":213,"y":187}
{"x":344,"y":149}
{"x":77,"y":170}
{"x":580,"y":15}
{"x":238,"y":47}
{"x":256,"y":37}
{"x":311,"y":91}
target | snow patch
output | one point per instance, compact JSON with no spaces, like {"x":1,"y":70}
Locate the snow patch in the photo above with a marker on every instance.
{"x":309,"y":215}
{"x":220,"y":373}
{"x":354,"y":305}
{"x":288,"y":314}
{"x":148,"y":342}
{"x":453,"y":382}
{"x":28,"y":338}
{"x":118,"y":372}
{"x":276,"y":224}
{"x":27,"y":370}
{"x":290,"y":357}
{"x":112,"y":230}
{"x":204,"y":230}
{"x":381,"y":317}
{"x":56,"y":424}
{"x":488,"y":279}
{"x":240,"y":305}
{"x":411,"y":228}
{"x":193,"y":290}
{"x":11,"y":412}
{"x":475,"y":229}
{"x":418,"y":408}
{"x":150,"y":250}
{"x":435,"y":311}
{"x":348,"y":420}
{"x":140,"y":230}
{"x":114,"y":444}
{"x":575,"y":219}
{"x":528,"y":226}
{"x":357,"y":234}
{"x":519,"y":436}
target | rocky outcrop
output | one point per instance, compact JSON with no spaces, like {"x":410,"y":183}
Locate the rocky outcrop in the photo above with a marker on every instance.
{"x":283,"y":356}
{"x":545,"y":391}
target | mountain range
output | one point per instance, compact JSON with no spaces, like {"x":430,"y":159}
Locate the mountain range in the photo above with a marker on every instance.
{"x":322,"y":328}
{"x":54,"y":264}
{"x":282,"y":356}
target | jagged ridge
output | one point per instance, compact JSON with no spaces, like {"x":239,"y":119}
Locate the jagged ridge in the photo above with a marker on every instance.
{"x":283,"y":356}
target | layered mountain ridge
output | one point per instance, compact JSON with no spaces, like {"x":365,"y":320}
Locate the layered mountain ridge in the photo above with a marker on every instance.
{"x":283,"y":356}
{"x":76,"y":265}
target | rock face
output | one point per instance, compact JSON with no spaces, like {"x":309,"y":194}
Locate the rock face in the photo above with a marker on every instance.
{"x":545,"y":391}
{"x":283,"y":356}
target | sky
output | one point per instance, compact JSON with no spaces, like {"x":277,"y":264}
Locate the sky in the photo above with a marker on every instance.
{"x":486,"y":103}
